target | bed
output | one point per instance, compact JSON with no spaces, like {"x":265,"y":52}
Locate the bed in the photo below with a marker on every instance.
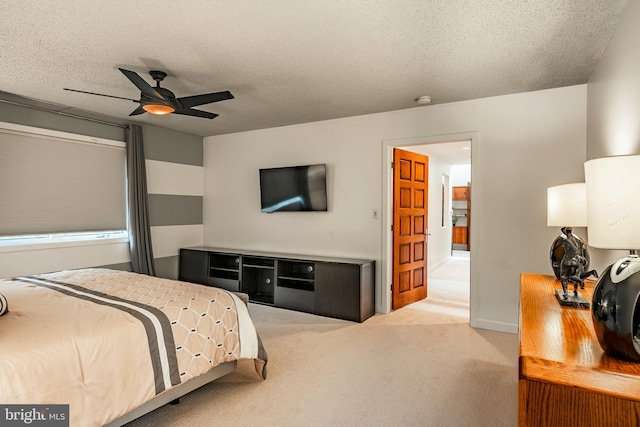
{"x":114,"y":344}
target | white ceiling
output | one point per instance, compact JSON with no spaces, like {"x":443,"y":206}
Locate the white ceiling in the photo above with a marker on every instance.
{"x":296,"y":61}
{"x":453,"y":153}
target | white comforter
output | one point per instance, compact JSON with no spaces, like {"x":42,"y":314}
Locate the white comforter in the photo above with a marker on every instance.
{"x":106,"y":341}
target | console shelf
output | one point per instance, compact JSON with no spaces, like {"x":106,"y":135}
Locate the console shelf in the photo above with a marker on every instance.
{"x":333,"y":287}
{"x":258,"y":278}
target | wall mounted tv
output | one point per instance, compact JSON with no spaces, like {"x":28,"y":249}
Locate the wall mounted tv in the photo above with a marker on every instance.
{"x":294,"y":188}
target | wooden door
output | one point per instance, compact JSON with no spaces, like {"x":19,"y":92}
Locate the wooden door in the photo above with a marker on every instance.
{"x":410,"y":195}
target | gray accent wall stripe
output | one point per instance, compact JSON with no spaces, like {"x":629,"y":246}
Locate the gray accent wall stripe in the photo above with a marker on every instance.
{"x":167,"y":209}
{"x":168,"y":145}
{"x":123,"y":266}
{"x":167,"y":267}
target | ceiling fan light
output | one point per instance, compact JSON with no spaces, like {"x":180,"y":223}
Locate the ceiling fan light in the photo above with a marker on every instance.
{"x":158,"y":109}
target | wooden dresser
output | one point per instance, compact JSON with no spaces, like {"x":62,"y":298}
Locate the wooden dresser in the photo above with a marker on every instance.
{"x":565,"y":377}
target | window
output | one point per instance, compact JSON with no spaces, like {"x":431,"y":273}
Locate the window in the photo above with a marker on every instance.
{"x":62,"y":238}
{"x":59,"y":187}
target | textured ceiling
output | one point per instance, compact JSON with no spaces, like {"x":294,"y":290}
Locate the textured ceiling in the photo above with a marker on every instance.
{"x":453,"y":153}
{"x":295,"y":61}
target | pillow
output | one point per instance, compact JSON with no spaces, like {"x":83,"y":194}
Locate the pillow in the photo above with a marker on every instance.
{"x":4,"y":306}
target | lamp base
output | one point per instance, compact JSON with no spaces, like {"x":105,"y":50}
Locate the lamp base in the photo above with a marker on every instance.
{"x":616,"y":309}
{"x":571,"y":299}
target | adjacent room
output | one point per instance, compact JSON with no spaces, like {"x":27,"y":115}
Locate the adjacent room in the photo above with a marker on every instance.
{"x":306,"y":213}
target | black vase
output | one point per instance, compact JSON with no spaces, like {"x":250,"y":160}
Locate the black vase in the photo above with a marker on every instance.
{"x":615,"y":309}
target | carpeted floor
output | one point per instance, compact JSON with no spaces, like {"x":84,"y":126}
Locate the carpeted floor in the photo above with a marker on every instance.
{"x":422,"y":365}
{"x":448,"y":287}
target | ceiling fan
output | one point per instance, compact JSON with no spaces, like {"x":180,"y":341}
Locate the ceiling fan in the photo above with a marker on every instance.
{"x":158,"y":100}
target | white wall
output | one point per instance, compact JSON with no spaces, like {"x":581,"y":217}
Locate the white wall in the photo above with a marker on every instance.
{"x":439,"y":248}
{"x":613,"y":104}
{"x":62,"y":257}
{"x":439,"y":242}
{"x":524,"y":143}
{"x":614,"y":92}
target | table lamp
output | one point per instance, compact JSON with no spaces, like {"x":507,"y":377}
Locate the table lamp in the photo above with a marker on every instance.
{"x":613,"y":221}
{"x":567,"y":208}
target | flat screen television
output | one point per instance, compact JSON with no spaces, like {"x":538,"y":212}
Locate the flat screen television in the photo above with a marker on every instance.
{"x":294,"y":188}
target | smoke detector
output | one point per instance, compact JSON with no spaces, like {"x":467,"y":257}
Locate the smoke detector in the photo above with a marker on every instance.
{"x":423,"y":100}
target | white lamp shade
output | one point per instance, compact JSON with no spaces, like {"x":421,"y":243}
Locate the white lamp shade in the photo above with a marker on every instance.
{"x":567,"y":205}
{"x":613,"y":202}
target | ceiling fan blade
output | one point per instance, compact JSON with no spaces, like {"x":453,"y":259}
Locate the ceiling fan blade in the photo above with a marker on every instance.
{"x":101,"y":94}
{"x":141,"y":84}
{"x":196,"y":113}
{"x":207,"y":98}
{"x":138,"y":111}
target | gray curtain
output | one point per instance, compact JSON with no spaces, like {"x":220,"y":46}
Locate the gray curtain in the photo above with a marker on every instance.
{"x":138,"y":215}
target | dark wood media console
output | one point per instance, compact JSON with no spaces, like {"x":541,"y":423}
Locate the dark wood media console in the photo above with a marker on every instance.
{"x":332,"y":287}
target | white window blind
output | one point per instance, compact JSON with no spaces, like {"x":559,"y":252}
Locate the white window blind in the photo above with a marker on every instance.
{"x":54,"y":182}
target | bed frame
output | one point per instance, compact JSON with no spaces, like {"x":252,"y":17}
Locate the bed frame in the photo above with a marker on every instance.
{"x":174,"y":393}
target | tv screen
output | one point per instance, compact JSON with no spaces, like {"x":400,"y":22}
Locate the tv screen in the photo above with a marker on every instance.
{"x":294,"y":188}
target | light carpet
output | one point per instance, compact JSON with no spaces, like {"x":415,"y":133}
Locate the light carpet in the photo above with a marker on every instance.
{"x":422,"y":365}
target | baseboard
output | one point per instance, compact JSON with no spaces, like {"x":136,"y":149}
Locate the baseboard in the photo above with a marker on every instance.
{"x":492,"y":325}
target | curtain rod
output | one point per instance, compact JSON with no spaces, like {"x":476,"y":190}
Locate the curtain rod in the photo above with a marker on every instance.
{"x":60,"y":113}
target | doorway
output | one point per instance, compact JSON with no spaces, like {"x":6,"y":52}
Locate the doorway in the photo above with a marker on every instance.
{"x":449,"y":286}
{"x":440,"y":227}
{"x":449,"y":246}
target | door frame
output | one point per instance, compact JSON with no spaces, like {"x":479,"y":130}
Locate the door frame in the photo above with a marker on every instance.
{"x":386,"y":267}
